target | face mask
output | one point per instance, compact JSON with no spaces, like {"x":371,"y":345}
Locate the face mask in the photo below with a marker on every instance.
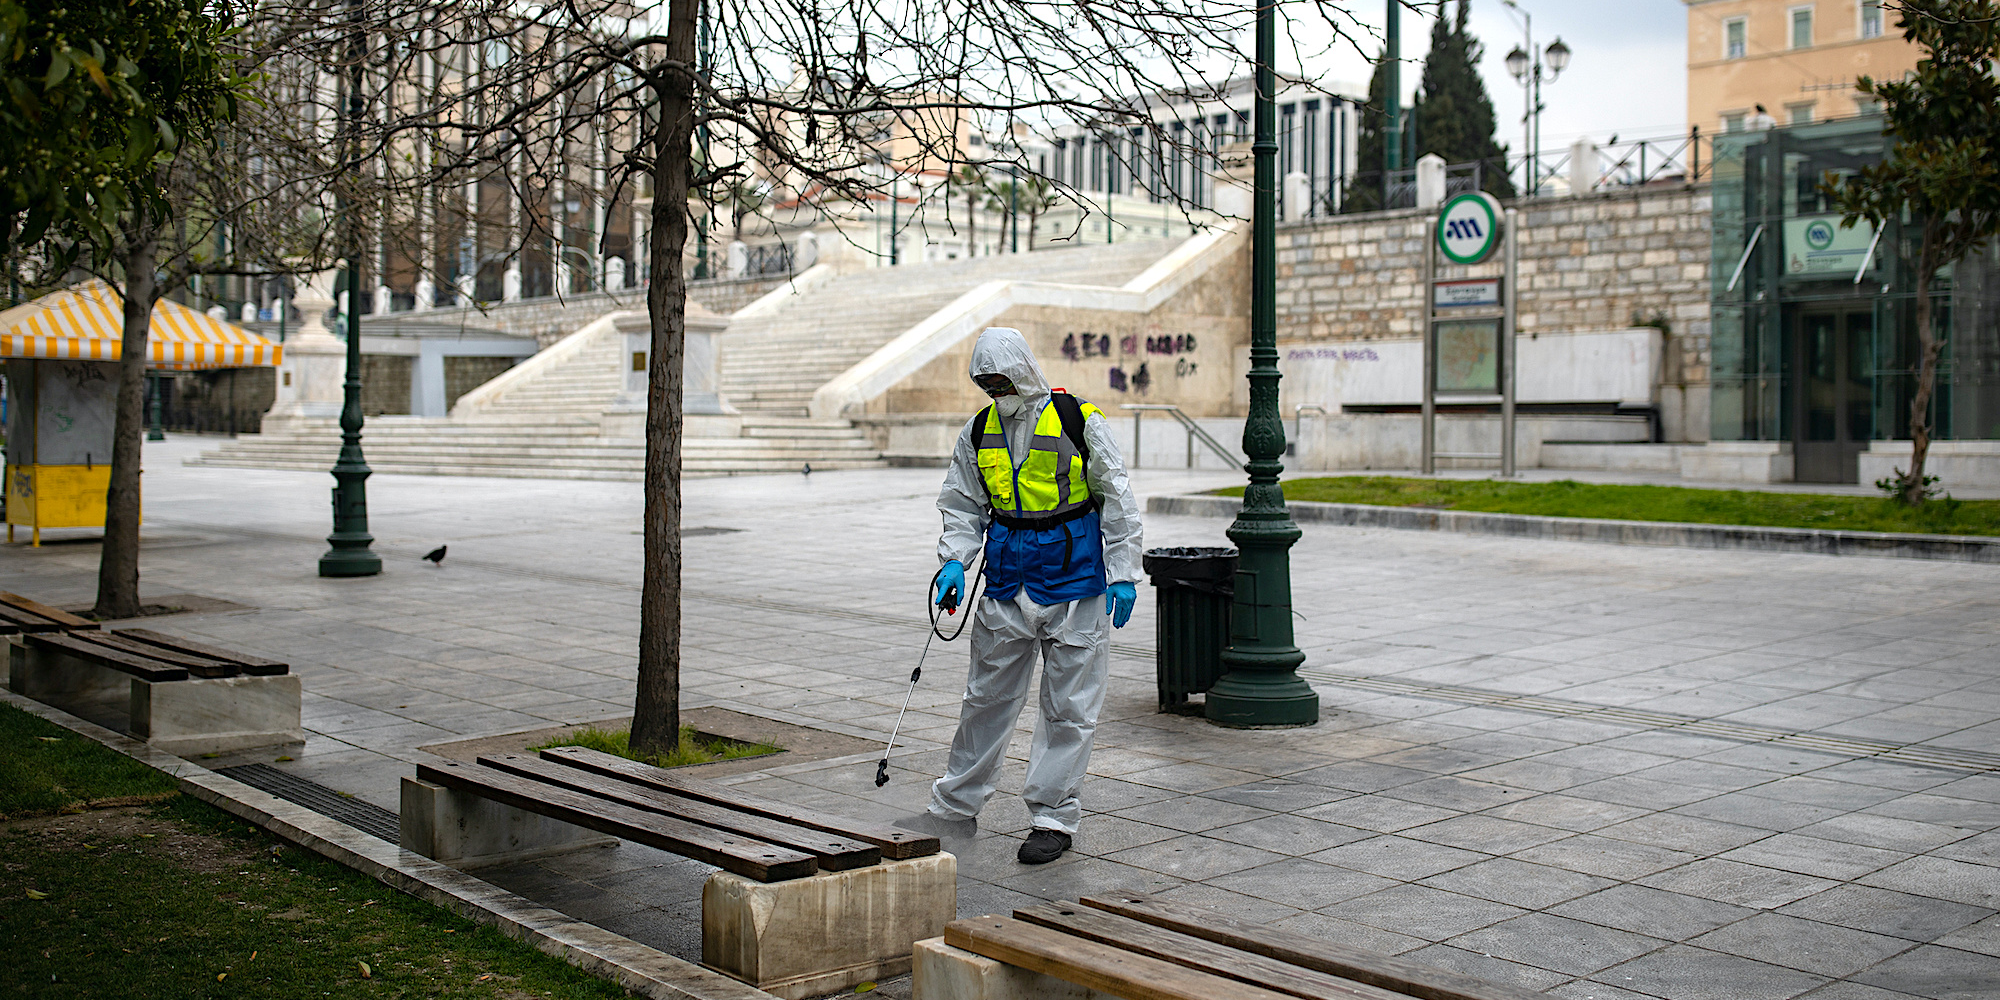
{"x":1009,"y":405}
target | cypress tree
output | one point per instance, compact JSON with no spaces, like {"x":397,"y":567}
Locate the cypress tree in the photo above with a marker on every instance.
{"x":1364,"y":187}
{"x":1453,"y":116}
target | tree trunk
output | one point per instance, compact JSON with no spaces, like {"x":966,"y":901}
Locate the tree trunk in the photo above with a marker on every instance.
{"x":1929,"y":349}
{"x":656,"y":710}
{"x":118,"y":562}
{"x":971,"y":219}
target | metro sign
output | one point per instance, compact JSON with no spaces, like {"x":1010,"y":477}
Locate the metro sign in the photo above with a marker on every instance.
{"x":1469,"y":227}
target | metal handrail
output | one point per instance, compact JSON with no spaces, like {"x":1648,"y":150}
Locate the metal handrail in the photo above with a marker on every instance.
{"x":1299,"y":418}
{"x":1194,"y":433}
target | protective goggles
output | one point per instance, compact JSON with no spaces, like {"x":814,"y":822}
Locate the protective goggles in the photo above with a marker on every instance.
{"x":994,"y":384}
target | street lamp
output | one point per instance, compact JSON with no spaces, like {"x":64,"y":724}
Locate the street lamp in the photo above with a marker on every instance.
{"x":1261,"y":687}
{"x":1526,"y":66}
{"x":348,"y":552}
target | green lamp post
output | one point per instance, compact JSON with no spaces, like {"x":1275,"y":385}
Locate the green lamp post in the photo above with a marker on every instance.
{"x":1262,"y":686}
{"x":348,"y":553}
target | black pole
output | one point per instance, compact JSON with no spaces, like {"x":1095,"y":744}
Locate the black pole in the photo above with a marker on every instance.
{"x":348,"y":553}
{"x":1262,"y":687}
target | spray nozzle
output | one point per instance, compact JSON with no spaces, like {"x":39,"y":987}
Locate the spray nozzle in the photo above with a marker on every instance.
{"x":882,"y":772}
{"x":949,"y":602}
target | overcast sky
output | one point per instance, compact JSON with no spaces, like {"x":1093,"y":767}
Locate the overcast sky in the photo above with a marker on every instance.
{"x":1627,"y":72}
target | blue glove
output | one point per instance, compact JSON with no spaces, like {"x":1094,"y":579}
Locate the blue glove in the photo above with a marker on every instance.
{"x":1121,"y":596}
{"x":950,"y":583}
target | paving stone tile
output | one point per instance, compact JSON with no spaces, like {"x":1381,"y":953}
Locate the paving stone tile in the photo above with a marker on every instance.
{"x":1812,"y":856}
{"x":1942,"y":878}
{"x":1360,"y":776}
{"x":1234,"y":905}
{"x":1194,"y":857}
{"x":1677,"y":832}
{"x":1535,"y":775}
{"x":1686,"y":973}
{"x":1566,"y":812}
{"x":1885,"y":832}
{"x":1190,"y":778}
{"x":1498,"y":970}
{"x":1349,"y":933}
{"x":1192,"y":813}
{"x":1287,"y":834}
{"x":1072,"y":876}
{"x":1652,"y":912}
{"x":1436,"y":759}
{"x":1747,"y":809}
{"x":1397,"y":857}
{"x":1422,"y":912}
{"x":1936,"y":972}
{"x":1880,"y":911}
{"x":1113,"y":794}
{"x":1855,"y":991}
{"x":1458,"y":793}
{"x":1377,"y":812}
{"x":1299,"y":882}
{"x":1806,"y":945}
{"x":1982,"y":937}
{"x":1645,"y":793}
{"x":1813,"y":789}
{"x":1604,"y":857}
{"x":1557,"y":943}
{"x":1484,"y":833}
{"x":1102,"y":835}
{"x":1925,"y":807}
{"x":1983,"y":849}
{"x":1979,"y":788}
{"x":1279,"y":796}
{"x":1517,"y":883}
{"x":1735,"y":882}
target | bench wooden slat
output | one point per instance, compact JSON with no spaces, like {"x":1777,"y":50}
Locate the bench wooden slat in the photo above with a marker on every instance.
{"x":833,"y":852}
{"x":254,"y":665}
{"x":1373,"y":968}
{"x":138,"y":666}
{"x":1195,"y":953}
{"x":742,"y":855}
{"x":56,"y":616}
{"x":894,"y":842}
{"x":14,"y":621}
{"x":1100,"y":967}
{"x":199,"y":666}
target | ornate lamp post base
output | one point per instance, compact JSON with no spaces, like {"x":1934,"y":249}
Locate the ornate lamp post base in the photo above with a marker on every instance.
{"x":349,"y":553}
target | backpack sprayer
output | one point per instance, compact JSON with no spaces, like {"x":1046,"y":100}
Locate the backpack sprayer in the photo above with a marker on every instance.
{"x":949,"y":602}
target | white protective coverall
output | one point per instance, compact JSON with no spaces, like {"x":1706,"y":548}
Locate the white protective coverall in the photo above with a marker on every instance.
{"x":1072,"y":637}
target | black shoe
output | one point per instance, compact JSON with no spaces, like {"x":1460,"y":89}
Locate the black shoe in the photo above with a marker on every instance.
{"x":940,"y":827}
{"x":1043,"y":846}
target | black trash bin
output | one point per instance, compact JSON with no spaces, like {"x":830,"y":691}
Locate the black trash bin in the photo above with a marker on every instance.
{"x":1195,"y":588}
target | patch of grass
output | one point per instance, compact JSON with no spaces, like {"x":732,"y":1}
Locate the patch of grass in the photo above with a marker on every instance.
{"x":694,"y":748}
{"x":46,"y":769}
{"x":170,"y":909}
{"x":1568,"y":498}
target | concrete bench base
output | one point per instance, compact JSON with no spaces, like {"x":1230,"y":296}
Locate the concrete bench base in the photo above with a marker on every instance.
{"x":467,"y":831}
{"x":828,"y":932}
{"x":943,"y":972}
{"x":185,"y":717}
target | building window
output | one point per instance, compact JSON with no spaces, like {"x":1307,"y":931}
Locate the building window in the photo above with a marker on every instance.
{"x":1867,"y":106}
{"x":1799,"y":114}
{"x":1735,"y":38}
{"x":1733,"y":122}
{"x":1871,"y":18}
{"x":1802,"y":18}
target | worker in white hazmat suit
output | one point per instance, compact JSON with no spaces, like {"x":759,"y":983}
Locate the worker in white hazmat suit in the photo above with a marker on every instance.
{"x":1037,"y":481}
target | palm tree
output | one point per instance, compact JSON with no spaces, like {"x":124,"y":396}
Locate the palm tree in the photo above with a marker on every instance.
{"x":971,"y":179}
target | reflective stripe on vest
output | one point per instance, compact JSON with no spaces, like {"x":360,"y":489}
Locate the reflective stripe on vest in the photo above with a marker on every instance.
{"x":1051,"y":481}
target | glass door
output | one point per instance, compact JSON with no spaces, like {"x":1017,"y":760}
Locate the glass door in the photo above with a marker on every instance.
{"x":1832,"y":366}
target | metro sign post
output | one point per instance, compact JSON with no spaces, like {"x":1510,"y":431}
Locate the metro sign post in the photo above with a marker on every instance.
{"x":1469,"y":321}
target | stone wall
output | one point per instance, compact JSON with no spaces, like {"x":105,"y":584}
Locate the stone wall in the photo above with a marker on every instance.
{"x":1601,"y":262}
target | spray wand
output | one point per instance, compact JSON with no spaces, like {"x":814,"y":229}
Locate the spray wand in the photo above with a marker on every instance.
{"x":949,"y":602}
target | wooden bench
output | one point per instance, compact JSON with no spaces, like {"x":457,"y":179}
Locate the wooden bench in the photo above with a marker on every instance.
{"x":1146,"y":948}
{"x":806,"y":902}
{"x":20,"y":614}
{"x":182,"y":696}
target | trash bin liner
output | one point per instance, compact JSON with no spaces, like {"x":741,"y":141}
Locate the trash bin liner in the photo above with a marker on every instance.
{"x":1194,"y":588}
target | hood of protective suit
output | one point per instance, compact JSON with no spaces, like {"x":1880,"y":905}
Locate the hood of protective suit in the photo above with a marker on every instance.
{"x":1004,"y":351}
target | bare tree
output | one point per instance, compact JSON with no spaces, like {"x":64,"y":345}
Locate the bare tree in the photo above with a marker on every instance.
{"x":828,"y":102}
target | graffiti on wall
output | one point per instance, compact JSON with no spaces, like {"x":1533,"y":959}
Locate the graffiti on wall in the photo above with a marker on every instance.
{"x":1121,"y":377}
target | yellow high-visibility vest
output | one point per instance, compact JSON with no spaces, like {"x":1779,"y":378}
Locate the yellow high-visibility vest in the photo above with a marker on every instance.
{"x":1050,"y":485}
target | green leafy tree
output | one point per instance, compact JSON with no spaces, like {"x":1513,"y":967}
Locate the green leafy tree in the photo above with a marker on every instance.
{"x":1942,"y":172}
{"x":1453,"y":116}
{"x":971,"y":181}
{"x":108,"y":105}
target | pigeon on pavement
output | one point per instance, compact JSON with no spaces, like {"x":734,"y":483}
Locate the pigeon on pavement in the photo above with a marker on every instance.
{"x":436,"y":556}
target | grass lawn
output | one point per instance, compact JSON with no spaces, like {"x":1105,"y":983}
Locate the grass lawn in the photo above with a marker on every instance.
{"x":1567,"y":498}
{"x":180,"y":900}
{"x":694,"y":748}
{"x":46,"y":769}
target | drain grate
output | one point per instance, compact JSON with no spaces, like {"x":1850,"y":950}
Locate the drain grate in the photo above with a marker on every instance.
{"x":362,"y":815}
{"x":1945,"y":757}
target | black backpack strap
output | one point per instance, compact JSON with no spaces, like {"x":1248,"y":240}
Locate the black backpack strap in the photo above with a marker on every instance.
{"x":1070,"y":409}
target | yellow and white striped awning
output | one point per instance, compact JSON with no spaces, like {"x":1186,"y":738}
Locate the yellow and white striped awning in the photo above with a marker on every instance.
{"x":84,"y":322}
